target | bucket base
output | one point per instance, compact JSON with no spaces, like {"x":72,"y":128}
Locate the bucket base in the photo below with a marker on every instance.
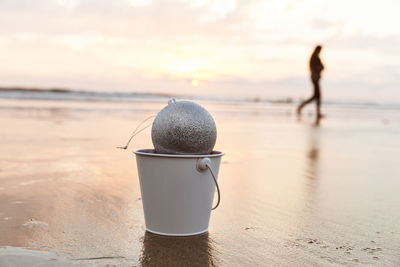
{"x":169,"y":234}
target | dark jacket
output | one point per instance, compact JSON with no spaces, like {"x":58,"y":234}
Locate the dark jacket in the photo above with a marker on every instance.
{"x":316,"y":65}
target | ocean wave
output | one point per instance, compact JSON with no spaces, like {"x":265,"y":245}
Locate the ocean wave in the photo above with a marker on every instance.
{"x":62,"y":94}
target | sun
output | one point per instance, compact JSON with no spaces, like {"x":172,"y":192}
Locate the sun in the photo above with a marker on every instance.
{"x":195,"y":83}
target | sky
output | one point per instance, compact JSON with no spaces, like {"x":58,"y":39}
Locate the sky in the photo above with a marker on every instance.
{"x":222,"y":48}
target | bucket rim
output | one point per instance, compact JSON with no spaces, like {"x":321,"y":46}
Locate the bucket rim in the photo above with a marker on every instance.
{"x":151,"y":153}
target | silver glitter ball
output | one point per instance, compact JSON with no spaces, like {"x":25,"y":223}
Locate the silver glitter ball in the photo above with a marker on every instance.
{"x":183,"y":127}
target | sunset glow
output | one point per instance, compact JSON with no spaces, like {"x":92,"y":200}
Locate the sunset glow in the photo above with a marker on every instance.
{"x":195,"y":83}
{"x":155,"y":46}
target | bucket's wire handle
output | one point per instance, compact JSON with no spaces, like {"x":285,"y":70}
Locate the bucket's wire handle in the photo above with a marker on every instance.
{"x":204,"y":164}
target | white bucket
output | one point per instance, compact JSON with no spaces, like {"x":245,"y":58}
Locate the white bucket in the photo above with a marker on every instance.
{"x":177,"y":195}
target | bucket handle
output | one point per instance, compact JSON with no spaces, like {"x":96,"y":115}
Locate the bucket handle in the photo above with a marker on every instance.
{"x":204,"y":164}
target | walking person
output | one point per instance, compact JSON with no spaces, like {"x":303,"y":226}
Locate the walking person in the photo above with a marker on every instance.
{"x":316,"y":68}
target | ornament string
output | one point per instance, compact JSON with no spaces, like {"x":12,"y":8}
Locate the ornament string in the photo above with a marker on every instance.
{"x":137,"y":131}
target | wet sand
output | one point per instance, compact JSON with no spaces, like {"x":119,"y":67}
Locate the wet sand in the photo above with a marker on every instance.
{"x":293,"y":194}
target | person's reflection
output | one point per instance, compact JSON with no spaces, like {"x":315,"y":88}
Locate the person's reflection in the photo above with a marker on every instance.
{"x":312,"y":154}
{"x":177,"y":251}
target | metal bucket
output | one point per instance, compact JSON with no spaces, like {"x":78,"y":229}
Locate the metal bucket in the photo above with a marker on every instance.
{"x":177,"y":191}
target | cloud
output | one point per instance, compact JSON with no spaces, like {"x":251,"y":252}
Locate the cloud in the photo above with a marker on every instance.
{"x":150,"y":44}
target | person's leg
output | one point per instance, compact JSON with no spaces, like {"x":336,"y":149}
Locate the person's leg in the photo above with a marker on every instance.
{"x":317,"y":94}
{"x":301,"y":106}
{"x":318,"y":116}
{"x":314,"y":80}
{"x":318,"y":99}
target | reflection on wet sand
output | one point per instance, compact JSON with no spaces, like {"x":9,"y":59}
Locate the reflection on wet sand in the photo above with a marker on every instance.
{"x":313,"y":154}
{"x":160,"y":250}
{"x":293,"y":194}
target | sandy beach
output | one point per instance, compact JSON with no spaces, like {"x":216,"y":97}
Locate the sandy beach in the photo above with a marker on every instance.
{"x":293,"y":193}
